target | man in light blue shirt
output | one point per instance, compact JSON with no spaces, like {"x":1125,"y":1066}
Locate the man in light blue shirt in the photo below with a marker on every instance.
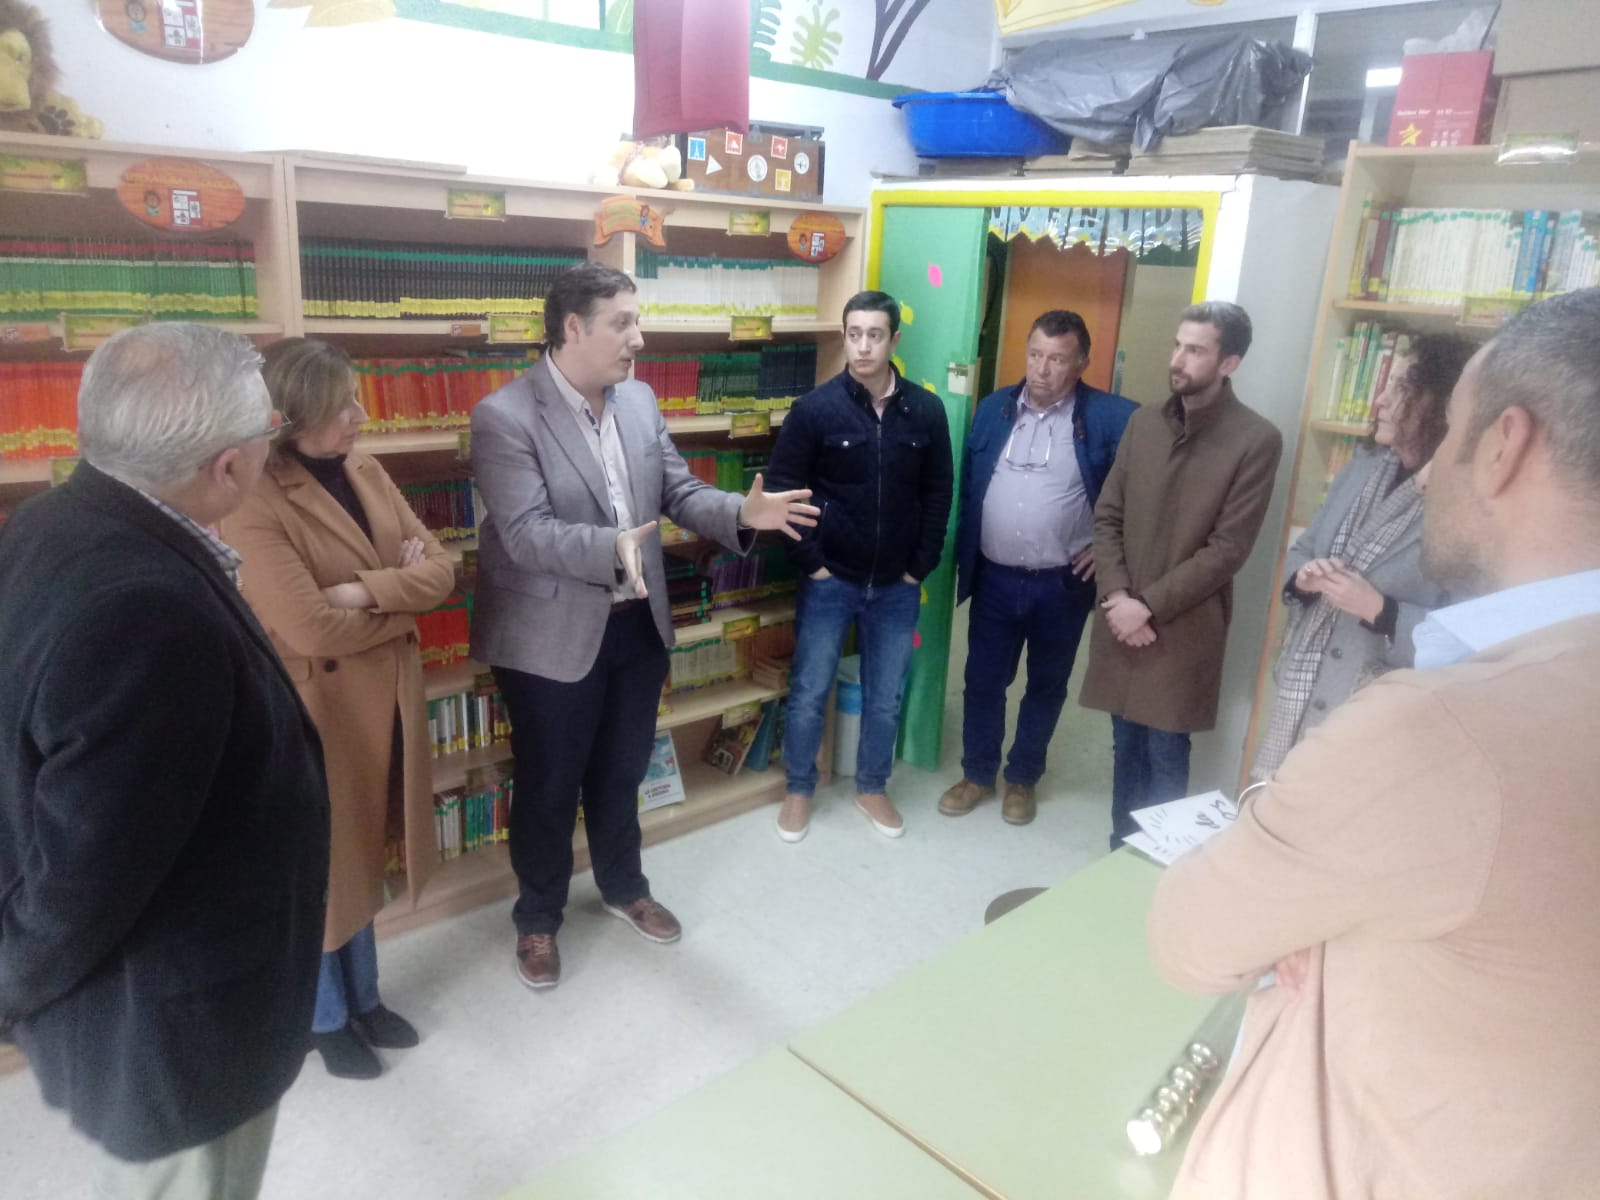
{"x":1418,"y":875}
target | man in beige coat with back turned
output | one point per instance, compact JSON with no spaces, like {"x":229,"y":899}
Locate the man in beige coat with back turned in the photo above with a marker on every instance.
{"x":1175,"y":520}
{"x":1421,"y":869}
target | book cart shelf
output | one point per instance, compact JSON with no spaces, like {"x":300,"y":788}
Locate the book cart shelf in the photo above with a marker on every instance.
{"x":1445,"y":178}
{"x":293,"y":198}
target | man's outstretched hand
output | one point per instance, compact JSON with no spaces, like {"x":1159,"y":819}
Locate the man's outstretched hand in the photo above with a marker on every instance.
{"x":777,"y":510}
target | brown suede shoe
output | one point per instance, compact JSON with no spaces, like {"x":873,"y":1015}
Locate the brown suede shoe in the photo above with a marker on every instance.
{"x":1019,"y":807}
{"x":649,"y":919}
{"x":963,"y":798}
{"x":538,"y":960}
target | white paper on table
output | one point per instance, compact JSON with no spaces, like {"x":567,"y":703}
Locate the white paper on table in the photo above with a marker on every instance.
{"x":1173,"y":829}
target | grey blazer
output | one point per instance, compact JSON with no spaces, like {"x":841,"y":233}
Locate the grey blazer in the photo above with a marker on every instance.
{"x":547,"y":542}
{"x":1356,"y":654}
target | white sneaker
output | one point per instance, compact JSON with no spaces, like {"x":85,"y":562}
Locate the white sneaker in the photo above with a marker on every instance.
{"x":887,"y":820}
{"x":794,"y":817}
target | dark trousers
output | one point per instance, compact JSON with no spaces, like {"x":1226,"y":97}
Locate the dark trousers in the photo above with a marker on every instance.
{"x":593,"y":738}
{"x":1149,"y":766}
{"x":1010,"y":607}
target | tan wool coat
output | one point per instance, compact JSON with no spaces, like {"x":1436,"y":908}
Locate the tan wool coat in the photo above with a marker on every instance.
{"x":1426,"y":856}
{"x":1176,"y":519}
{"x":356,"y":669}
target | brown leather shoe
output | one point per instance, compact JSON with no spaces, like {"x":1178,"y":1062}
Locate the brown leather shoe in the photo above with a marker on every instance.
{"x":538,"y":960}
{"x":963,"y":798}
{"x":649,"y":919}
{"x":1019,"y":807}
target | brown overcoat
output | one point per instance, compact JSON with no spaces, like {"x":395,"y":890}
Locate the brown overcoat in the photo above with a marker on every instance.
{"x":1176,"y":519}
{"x":356,"y":669}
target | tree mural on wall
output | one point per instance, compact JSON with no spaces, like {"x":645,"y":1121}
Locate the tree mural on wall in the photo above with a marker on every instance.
{"x":764,"y":17}
{"x":815,"y":39}
{"x":892,"y":21}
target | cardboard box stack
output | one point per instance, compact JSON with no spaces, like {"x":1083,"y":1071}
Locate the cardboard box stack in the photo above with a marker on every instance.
{"x":1548,"y":60}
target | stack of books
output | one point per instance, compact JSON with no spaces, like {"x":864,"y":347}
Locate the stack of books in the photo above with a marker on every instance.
{"x":350,"y":277}
{"x":1084,"y":157}
{"x":449,"y":508}
{"x":1232,"y":150}
{"x":772,"y":672}
{"x":675,"y":287}
{"x":1441,"y":256}
{"x":39,"y":409}
{"x":42,"y":277}
{"x":1361,"y":369}
{"x":429,"y":393}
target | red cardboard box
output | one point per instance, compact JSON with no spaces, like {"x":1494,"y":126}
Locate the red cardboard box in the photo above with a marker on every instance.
{"x":1443,"y":99}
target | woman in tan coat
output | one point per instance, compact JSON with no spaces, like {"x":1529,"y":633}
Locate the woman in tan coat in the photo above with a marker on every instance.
{"x":336,"y":566}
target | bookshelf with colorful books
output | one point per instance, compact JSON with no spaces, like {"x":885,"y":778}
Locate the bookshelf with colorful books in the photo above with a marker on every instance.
{"x":395,"y":263}
{"x":1438,"y":239}
{"x":75,"y":264}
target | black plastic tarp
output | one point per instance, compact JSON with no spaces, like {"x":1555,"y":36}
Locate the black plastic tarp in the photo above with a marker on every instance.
{"x":1142,"y":91}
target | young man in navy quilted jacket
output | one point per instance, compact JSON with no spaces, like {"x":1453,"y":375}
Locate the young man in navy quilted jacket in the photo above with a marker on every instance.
{"x":875,"y":452}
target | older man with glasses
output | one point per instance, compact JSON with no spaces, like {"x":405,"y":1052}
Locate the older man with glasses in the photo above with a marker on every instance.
{"x":163,"y":806}
{"x":1035,"y":461}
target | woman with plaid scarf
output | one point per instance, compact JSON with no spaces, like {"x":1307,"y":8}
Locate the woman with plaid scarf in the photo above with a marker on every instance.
{"x":1353,"y":580}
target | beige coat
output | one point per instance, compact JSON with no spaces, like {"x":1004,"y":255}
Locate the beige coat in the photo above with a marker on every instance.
{"x":1434,"y":844}
{"x":356,"y":669}
{"x":1176,"y":519}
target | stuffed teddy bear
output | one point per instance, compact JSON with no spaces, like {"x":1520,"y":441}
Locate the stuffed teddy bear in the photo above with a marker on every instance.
{"x":656,"y":164}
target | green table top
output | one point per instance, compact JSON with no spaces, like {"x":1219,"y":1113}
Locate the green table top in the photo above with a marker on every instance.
{"x":772,"y":1129}
{"x":1018,"y":1055}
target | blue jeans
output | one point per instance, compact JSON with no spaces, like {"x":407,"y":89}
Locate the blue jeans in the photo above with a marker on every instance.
{"x":885,"y":617}
{"x":347,"y":982}
{"x":1149,"y":766}
{"x":1012,"y":605}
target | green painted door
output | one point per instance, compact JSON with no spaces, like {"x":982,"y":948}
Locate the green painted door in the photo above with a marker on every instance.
{"x":932,"y":261}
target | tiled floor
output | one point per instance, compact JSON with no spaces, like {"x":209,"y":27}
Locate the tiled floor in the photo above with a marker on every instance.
{"x":507,"y":1082}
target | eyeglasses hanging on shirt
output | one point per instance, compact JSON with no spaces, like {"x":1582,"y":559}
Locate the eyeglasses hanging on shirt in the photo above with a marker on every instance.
{"x":1030,"y":460}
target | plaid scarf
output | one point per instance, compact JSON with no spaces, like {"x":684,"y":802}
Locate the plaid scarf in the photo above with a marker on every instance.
{"x":1381,"y":514}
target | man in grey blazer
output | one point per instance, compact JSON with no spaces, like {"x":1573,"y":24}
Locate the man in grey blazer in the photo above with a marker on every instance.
{"x":574,"y":462}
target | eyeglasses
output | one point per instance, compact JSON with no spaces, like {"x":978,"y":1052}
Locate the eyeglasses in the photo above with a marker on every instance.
{"x":279,"y":424}
{"x":1027,"y":464}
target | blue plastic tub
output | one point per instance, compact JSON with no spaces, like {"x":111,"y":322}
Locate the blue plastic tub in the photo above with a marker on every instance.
{"x":975,"y":125}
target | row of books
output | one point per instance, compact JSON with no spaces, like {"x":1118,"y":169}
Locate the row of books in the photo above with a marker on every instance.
{"x":747,"y":739}
{"x":739,"y":579}
{"x":429,"y":393}
{"x":744,"y":381}
{"x":675,"y":287}
{"x":1361,"y":366}
{"x":449,"y":507}
{"x":468,"y":720}
{"x":1339,"y":456}
{"x":39,"y":409}
{"x":346,"y":277}
{"x":444,"y":635}
{"x":475,"y":815}
{"x":43,"y":277}
{"x":1443,"y":255}
{"x":731,"y":470}
{"x":753,"y":741}
{"x":710,"y":661}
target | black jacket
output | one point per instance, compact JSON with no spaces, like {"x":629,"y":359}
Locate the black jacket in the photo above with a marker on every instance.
{"x":163,"y":827}
{"x":883,"y":486}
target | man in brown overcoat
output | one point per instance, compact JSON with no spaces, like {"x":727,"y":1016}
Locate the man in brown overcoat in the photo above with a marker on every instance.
{"x":1176,"y":518}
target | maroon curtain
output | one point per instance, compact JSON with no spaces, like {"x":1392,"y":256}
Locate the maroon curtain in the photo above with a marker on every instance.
{"x":691,"y":65}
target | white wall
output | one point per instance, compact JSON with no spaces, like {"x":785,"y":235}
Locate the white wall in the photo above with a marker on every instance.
{"x":494,"y":103}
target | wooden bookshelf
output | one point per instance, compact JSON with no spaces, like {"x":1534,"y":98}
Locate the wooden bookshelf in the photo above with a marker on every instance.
{"x":1433,"y":177}
{"x":484,"y":876}
{"x":291,"y":196}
